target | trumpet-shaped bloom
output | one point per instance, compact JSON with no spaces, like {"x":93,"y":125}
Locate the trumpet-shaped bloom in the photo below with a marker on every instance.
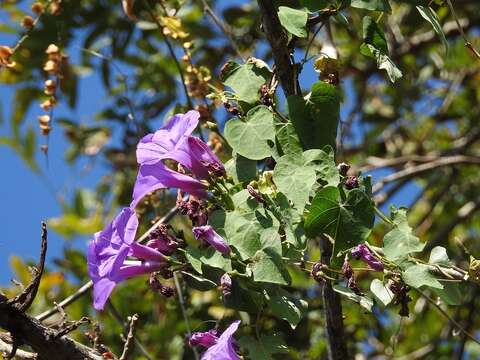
{"x":207,"y":233}
{"x":108,"y":252}
{"x":205,"y":339}
{"x":157,"y":146}
{"x":154,"y":177}
{"x":224,"y":347}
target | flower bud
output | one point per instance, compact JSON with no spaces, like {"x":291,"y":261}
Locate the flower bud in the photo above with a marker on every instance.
{"x":363,"y":252}
{"x":48,"y":104}
{"x":351,"y":182}
{"x":226,"y":285}
{"x":44,"y":122}
{"x":343,"y":168}
{"x":256,"y":195}
{"x":167,"y":291}
{"x":50,"y":87}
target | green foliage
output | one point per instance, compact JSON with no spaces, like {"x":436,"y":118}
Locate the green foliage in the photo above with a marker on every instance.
{"x":293,"y":20}
{"x":375,"y":45}
{"x":400,"y":242}
{"x":419,"y":275}
{"x":253,"y":136}
{"x":432,"y":17}
{"x":263,"y":348}
{"x":245,"y":80}
{"x":316,"y":116}
{"x":381,"y":292}
{"x":348,"y":220}
{"x":376,"y":5}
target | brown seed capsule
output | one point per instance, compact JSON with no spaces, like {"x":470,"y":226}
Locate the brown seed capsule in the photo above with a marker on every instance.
{"x":54,"y":8}
{"x":51,"y":67}
{"x":44,"y":121}
{"x":38,"y":8}
{"x":50,"y":87}
{"x":27,"y":22}
{"x":48,"y":104}
{"x":52,"y":49}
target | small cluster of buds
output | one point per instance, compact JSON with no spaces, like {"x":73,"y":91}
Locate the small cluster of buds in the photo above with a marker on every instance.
{"x":162,"y":240}
{"x":351,"y":182}
{"x":194,"y":208}
{"x":172,"y":27}
{"x":214,"y":169}
{"x":266,"y":96}
{"x":350,"y":277}
{"x":156,"y":285}
{"x":5,"y":57}
{"x":362,"y":252}
{"x":317,"y":272}
{"x":226,"y":285}
{"x":400,"y":290}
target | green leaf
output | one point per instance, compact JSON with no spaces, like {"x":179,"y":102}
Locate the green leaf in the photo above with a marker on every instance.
{"x":244,"y":298}
{"x":294,"y":179}
{"x":348,"y":222}
{"x":249,"y":227}
{"x":209,"y":257}
{"x":287,"y":137}
{"x":375,"y":45}
{"x":245,"y":80}
{"x":198,"y":282}
{"x":294,"y":20}
{"x":419,"y":275}
{"x":264,"y":348}
{"x":286,"y":307}
{"x":316,"y":116}
{"x":292,"y":226}
{"x":241,"y":169}
{"x":374,"y":5}
{"x":363,"y":301}
{"x":381,"y":292}
{"x":432,"y":17}
{"x":323,"y":161}
{"x":254,"y":136}
{"x":400,"y":241}
{"x":439,"y":256}
{"x":267,"y":266}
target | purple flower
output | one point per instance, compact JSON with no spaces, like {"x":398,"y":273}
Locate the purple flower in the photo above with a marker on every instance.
{"x":195,"y":155}
{"x":205,"y":339}
{"x":364,"y":253}
{"x":108,"y":252}
{"x":224,"y":348}
{"x":152,"y":148}
{"x":158,"y":176}
{"x":207,"y":233}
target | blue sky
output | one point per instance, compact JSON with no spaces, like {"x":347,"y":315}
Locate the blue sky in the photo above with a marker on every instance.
{"x":28,"y":198}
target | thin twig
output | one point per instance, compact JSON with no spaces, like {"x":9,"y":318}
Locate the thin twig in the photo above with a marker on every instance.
{"x":227,"y":31}
{"x":171,"y":51}
{"x":181,"y":300}
{"x":116,"y":315}
{"x":468,"y":44}
{"x":129,"y":343}
{"x":448,"y":317}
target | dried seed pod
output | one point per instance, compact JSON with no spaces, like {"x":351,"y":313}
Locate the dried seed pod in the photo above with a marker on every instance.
{"x":44,"y":122}
{"x":27,"y":22}
{"x":38,"y":8}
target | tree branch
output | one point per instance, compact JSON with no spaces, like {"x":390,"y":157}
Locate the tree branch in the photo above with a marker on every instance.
{"x":279,"y":43}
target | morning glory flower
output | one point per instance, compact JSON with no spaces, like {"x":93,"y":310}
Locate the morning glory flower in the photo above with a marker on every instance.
{"x":152,"y":148}
{"x":154,"y":177}
{"x":205,"y":339}
{"x":207,"y":233}
{"x":224,"y":347}
{"x":364,"y":253}
{"x":107,"y":256}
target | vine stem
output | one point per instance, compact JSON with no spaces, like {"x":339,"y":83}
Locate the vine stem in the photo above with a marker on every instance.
{"x":383,"y":216}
